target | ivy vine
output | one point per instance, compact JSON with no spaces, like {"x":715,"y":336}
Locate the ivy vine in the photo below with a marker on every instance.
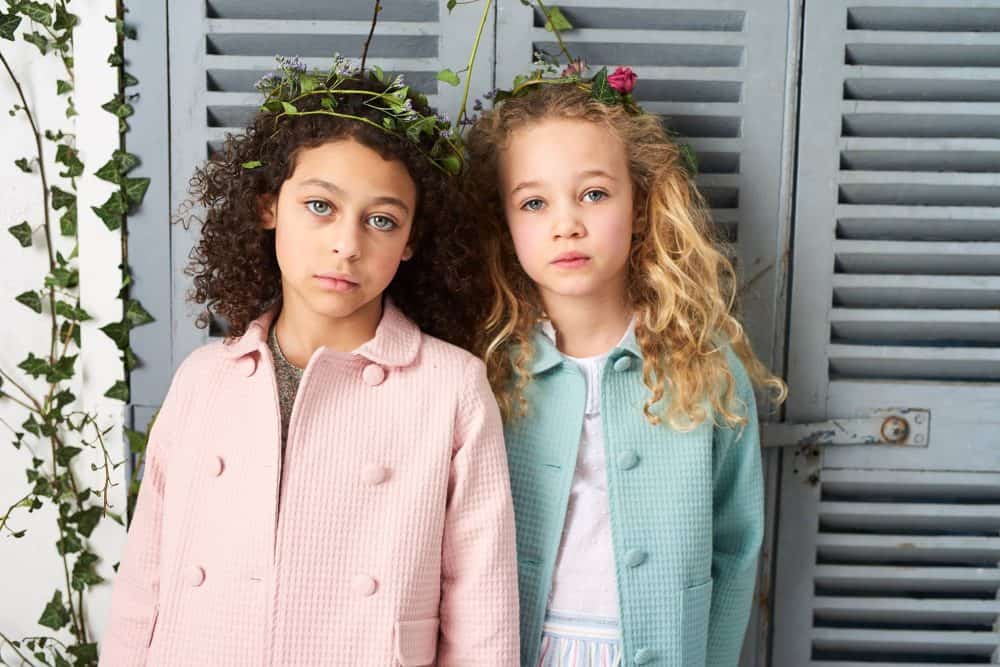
{"x":55,"y":430}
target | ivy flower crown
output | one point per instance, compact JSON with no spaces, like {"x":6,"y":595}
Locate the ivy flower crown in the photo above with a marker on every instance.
{"x":293,"y":82}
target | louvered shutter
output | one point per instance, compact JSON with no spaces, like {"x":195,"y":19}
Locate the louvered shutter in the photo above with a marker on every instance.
{"x":217,"y":50}
{"x":888,"y":555}
{"x":721,"y":73}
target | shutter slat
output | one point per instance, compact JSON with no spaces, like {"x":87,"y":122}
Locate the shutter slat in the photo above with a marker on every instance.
{"x":849,"y":548}
{"x":908,"y":580}
{"x":916,"y":257}
{"x":907,"y":610}
{"x":899,"y":362}
{"x":904,"y":291}
{"x":732,"y":42}
{"x":889,"y":641}
{"x":840,"y":516}
{"x":329,"y":29}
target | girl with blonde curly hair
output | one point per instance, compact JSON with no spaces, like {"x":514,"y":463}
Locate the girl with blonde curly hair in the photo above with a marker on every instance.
{"x":625,"y":380}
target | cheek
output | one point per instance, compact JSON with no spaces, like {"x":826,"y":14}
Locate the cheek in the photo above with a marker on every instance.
{"x":617,"y":229}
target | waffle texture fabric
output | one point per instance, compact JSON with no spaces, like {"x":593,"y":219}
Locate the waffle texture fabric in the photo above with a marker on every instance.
{"x":384,"y":536}
{"x":687,"y":515}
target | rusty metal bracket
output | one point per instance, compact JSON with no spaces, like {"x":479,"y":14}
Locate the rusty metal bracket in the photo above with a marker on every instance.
{"x":893,"y":427}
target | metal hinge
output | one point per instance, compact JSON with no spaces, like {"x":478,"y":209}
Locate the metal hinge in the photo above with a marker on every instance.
{"x":898,"y":427}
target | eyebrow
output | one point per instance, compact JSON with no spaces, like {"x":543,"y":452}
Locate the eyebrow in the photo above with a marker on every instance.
{"x":332,"y":187}
{"x":584,"y":174}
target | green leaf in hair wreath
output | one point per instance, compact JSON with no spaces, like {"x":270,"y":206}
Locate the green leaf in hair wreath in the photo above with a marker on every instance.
{"x":22,"y":233}
{"x":601,"y":90}
{"x":252,"y":164}
{"x":557,"y":21}
{"x":449,"y":77}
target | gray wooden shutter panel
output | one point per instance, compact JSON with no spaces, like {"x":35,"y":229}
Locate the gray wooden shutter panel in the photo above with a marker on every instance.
{"x":889,"y":555}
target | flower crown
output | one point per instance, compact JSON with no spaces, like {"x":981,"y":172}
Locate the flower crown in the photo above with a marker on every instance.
{"x":293,"y":82}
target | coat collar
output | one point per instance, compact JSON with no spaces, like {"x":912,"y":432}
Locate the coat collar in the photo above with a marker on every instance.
{"x":548,"y":356}
{"x":396,"y":342}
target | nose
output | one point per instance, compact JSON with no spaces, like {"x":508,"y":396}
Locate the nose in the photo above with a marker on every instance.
{"x":567,"y":223}
{"x":346,"y":240}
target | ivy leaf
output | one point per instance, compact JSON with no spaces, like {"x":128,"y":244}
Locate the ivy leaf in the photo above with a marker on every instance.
{"x":126,"y":161}
{"x":129,"y":359}
{"x":118,"y":107}
{"x":128,"y":80}
{"x":451,"y":5}
{"x":22,"y":233}
{"x":288,"y":107}
{"x":64,"y":19}
{"x":557,"y":21}
{"x":135,"y":189}
{"x":55,"y":615}
{"x":136,"y":314}
{"x":84,"y":574}
{"x":62,"y":370}
{"x":38,"y":39}
{"x":38,"y":12}
{"x":69,"y":157}
{"x":449,"y":77}
{"x":8,"y":25}
{"x":136,"y":441}
{"x":67,"y":222}
{"x":65,"y":454}
{"x":85,"y":654}
{"x":112,"y":210}
{"x":63,"y":87}
{"x":601,"y":90}
{"x":110,"y":171}
{"x":34,"y":366}
{"x":63,"y":398}
{"x":69,"y":329}
{"x":118,"y":391}
{"x":62,"y":277}
{"x":61,"y":198}
{"x":70,"y":312}
{"x":118,"y":332}
{"x":31,"y":300}
{"x":86,"y":520}
{"x":23,"y":164}
{"x":69,"y":544}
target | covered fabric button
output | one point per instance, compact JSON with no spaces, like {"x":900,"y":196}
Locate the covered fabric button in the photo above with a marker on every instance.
{"x":628,"y":459}
{"x":363,"y":585}
{"x":373,"y":375}
{"x":374,"y":474}
{"x":644,"y":656}
{"x":623,"y":364}
{"x":635,"y":557}
{"x":194,"y":576}
{"x":216,"y":465}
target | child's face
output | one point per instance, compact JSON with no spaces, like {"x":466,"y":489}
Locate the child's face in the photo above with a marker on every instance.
{"x":567,"y":197}
{"x":342,"y":225}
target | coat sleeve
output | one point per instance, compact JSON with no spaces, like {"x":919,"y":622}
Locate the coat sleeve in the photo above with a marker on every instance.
{"x":134,"y":598}
{"x":479,"y":603}
{"x":738,"y":527}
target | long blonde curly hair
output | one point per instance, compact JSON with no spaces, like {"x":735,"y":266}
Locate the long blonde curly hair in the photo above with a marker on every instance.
{"x":680,"y":283}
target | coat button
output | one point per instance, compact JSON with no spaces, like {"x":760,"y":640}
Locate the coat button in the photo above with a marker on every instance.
{"x":363,"y":585}
{"x":374,"y":474}
{"x":216,"y":466}
{"x":635,"y":557}
{"x":628,"y":460}
{"x":194,"y":576}
{"x":644,"y":656}
{"x":373,"y":375}
{"x":623,"y":364}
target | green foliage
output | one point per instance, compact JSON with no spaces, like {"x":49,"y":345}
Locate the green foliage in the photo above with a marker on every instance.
{"x":52,"y":421}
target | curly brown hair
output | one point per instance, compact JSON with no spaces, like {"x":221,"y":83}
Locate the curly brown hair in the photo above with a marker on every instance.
{"x":234,"y":265}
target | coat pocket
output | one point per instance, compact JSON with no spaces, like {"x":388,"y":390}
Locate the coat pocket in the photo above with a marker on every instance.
{"x":697,"y":606}
{"x":416,"y":642}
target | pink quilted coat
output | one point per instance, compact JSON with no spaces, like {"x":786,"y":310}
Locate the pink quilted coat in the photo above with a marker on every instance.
{"x":384,"y":537}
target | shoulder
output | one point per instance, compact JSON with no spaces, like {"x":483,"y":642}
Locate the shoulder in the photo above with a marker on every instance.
{"x":450,"y":360}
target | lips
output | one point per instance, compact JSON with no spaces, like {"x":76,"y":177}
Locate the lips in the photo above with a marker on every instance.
{"x":571,"y":260}
{"x":336,"y":282}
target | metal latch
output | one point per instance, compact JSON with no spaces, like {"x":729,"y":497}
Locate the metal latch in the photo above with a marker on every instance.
{"x":901,"y":427}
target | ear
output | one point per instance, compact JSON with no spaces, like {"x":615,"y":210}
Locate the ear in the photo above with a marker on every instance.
{"x":407,"y":252}
{"x":267,"y":206}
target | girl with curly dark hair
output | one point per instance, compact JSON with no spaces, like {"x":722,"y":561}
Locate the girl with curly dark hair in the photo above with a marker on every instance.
{"x":328,"y":485}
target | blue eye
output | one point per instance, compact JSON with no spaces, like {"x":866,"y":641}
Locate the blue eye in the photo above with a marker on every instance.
{"x":382,"y":223}
{"x":318,"y":206}
{"x":533,"y":205}
{"x":600,"y":195}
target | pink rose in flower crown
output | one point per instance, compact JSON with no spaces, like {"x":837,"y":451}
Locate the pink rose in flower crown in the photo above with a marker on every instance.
{"x":622,"y":80}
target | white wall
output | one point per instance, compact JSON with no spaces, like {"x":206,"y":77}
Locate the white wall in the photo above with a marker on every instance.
{"x":30,"y":568}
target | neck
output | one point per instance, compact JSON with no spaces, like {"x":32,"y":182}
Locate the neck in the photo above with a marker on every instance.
{"x":302,"y":331}
{"x":588,"y":326}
